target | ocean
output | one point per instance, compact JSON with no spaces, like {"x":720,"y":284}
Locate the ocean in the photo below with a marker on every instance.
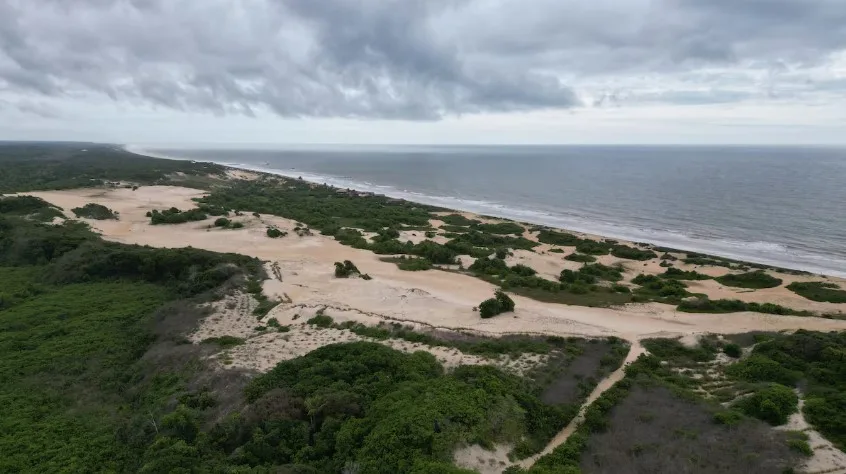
{"x":783,"y":206}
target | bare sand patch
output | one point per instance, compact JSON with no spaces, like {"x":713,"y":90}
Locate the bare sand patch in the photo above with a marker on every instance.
{"x":482,"y":460}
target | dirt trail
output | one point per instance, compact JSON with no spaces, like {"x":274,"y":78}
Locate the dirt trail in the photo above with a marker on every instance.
{"x":634,"y":352}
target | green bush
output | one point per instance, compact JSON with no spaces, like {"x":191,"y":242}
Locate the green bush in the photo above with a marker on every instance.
{"x":705,"y":305}
{"x":578,"y":257}
{"x":556,"y":250}
{"x":222,"y":222}
{"x":321,"y":320}
{"x":753,"y":280}
{"x":801,"y":446}
{"x":773,"y":404}
{"x":558,"y":238}
{"x":414,"y":264}
{"x":500,"y":228}
{"x":175,"y":216}
{"x":275,"y":233}
{"x":732,"y":350}
{"x":676,"y":274}
{"x":500,"y":303}
{"x":819,"y":291}
{"x":631,"y":253}
{"x":346,"y":269}
{"x":94,"y":211}
{"x":458,"y":220}
{"x":759,"y":368}
{"x":237,"y":225}
{"x":224,"y":341}
{"x":523,"y":270}
{"x":592,"y":247}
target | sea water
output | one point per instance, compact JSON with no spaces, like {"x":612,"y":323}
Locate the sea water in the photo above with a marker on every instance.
{"x":782,"y":206}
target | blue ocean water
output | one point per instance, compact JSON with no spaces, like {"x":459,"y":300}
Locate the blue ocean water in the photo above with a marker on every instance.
{"x":783,"y":206}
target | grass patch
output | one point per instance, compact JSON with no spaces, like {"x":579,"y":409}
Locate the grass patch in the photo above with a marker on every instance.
{"x":224,"y":342}
{"x":705,"y":305}
{"x":578,"y":257}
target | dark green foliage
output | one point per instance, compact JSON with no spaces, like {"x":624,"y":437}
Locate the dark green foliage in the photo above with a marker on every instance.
{"x":413,"y":264}
{"x":458,"y":220}
{"x":653,"y":288}
{"x":668,"y":257}
{"x":29,"y":206}
{"x":801,"y":446}
{"x":500,"y":303}
{"x":558,"y":238}
{"x":346,"y":269}
{"x":175,"y":216}
{"x":557,"y":250}
{"x":523,"y":270}
{"x":94,"y":211}
{"x":222,"y":222}
{"x":490,"y":266}
{"x":602,"y":272}
{"x":819,"y":291}
{"x":383,"y":411}
{"x":578,"y":257}
{"x":430,"y":234}
{"x":320,"y":207}
{"x":275,"y":233}
{"x":705,"y":305}
{"x":732,"y":350}
{"x":756,"y":280}
{"x":224,"y":342}
{"x":44,"y":166}
{"x":673,"y":349}
{"x":500,"y":228}
{"x":632,"y":253}
{"x":321,"y":320}
{"x":773,"y":404}
{"x":676,"y":274}
{"x":592,"y":247}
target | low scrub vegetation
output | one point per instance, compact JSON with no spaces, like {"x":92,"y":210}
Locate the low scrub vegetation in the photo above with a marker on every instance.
{"x":819,"y":291}
{"x":346,"y":269}
{"x":175,"y":216}
{"x":95,"y":211}
{"x":705,"y":305}
{"x":753,"y":280}
{"x":275,"y":233}
{"x":676,"y":274}
{"x":500,"y":303}
{"x":632,"y":253}
{"x":579,"y":257}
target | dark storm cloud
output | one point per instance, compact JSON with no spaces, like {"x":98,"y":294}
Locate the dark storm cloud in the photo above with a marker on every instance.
{"x":401,"y":59}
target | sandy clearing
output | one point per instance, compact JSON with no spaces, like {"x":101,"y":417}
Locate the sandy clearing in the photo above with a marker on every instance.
{"x":482,"y":460}
{"x":826,"y":458}
{"x":432,"y":297}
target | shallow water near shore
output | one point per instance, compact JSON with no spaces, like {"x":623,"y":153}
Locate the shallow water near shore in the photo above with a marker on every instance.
{"x":782,"y":206}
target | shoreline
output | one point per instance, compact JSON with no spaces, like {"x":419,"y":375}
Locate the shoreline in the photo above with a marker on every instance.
{"x":534,"y":218}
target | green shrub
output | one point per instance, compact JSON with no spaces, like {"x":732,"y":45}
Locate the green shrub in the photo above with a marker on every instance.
{"x":732,"y":350}
{"x":458,"y":220}
{"x":523,"y":270}
{"x":237,"y":225}
{"x":275,"y":233}
{"x":500,"y":303}
{"x":321,"y":320}
{"x":773,"y":404}
{"x":94,"y":211}
{"x":754,"y":280}
{"x":346,"y":269}
{"x":500,"y":228}
{"x":592,"y":247}
{"x":676,"y":274}
{"x":558,"y":238}
{"x":705,"y":305}
{"x":801,"y":446}
{"x":759,"y":368}
{"x":414,"y":264}
{"x":578,"y":257}
{"x":222,"y":222}
{"x":819,"y":291}
{"x":728,"y":417}
{"x":631,"y":253}
{"x":430,"y":234}
{"x":556,"y":250}
{"x":175,"y":216}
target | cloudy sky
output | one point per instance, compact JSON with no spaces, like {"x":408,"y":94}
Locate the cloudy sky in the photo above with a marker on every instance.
{"x":424,"y":71}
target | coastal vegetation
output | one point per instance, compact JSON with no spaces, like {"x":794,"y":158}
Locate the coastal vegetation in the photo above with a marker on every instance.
{"x":500,"y":303}
{"x":31,"y":207}
{"x":754,"y":280}
{"x":275,"y":233}
{"x":819,"y":291}
{"x":176,"y":216}
{"x":95,"y":211}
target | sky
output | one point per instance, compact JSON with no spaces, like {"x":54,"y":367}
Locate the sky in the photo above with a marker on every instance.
{"x":191,"y":72}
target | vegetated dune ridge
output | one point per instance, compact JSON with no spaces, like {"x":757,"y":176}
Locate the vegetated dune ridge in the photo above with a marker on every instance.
{"x":434,"y":298}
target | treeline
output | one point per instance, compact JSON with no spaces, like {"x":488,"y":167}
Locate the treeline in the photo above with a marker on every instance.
{"x":46,"y":166}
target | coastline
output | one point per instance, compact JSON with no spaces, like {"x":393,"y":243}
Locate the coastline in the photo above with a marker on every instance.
{"x":731,"y":249}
